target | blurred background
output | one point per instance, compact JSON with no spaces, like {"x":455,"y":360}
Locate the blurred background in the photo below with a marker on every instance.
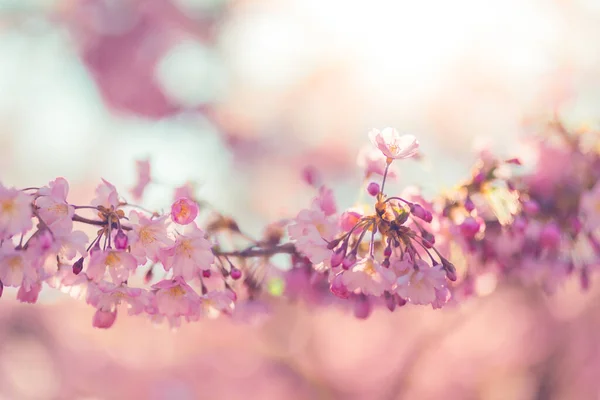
{"x":240,"y":96}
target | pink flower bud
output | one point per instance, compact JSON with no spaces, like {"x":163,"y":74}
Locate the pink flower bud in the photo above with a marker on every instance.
{"x":31,"y":295}
{"x":469,"y":205}
{"x":470,"y":227}
{"x":390,"y":301}
{"x":373,"y":188}
{"x":387,"y":251}
{"x":362,"y":307}
{"x":104,"y":319}
{"x":349,"y":261}
{"x":550,"y":236}
{"x":418,"y":211}
{"x":338,"y":256}
{"x":531,"y":207}
{"x":479,"y":178}
{"x":338,"y":288}
{"x":184,"y":211}
{"x":235,"y":273}
{"x":121,"y":240}
{"x":401,"y":301}
{"x":428,"y":239}
{"x":206,"y":273}
{"x":450,"y":270}
{"x":78,"y":266}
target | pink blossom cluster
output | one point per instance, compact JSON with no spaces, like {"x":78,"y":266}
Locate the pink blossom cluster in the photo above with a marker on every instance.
{"x":540,"y":228}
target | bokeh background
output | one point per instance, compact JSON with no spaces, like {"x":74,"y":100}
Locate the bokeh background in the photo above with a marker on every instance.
{"x":240,"y":96}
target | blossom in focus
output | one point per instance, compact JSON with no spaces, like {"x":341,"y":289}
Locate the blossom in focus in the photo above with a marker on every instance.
{"x":53,"y":207}
{"x":15,"y":212}
{"x":143,"y":178}
{"x":184,"y":211}
{"x":418,"y":284}
{"x":119,"y":264}
{"x":106,"y":195}
{"x":369,"y":276}
{"x":311,"y":230}
{"x":175,"y":298}
{"x":189,"y":255}
{"x":394,"y":145}
{"x":147,"y":237}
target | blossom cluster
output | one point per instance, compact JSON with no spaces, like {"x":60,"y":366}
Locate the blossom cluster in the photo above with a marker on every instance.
{"x":539,"y":228}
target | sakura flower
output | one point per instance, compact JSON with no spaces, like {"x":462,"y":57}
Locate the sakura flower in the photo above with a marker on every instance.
{"x":17,"y":267}
{"x":350,"y":218}
{"x":442,"y":296}
{"x":325,"y":201}
{"x":53,"y":206}
{"x":590,"y":209}
{"x":107,"y":296}
{"x":369,"y":276}
{"x":106,"y":196}
{"x":15,"y":212}
{"x":190,"y":254}
{"x":119,"y":264}
{"x":418,"y":285}
{"x":175,"y":298}
{"x":311,"y":231}
{"x":147,"y":237}
{"x":184,"y":211}
{"x":143,"y":171}
{"x":393,"y":145}
{"x":373,"y":162}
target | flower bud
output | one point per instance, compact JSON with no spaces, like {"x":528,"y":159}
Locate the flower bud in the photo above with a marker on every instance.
{"x":362,"y":307}
{"x":104,"y":319}
{"x":235,"y":273}
{"x":550,"y":236}
{"x":78,"y":266}
{"x":418,"y":211}
{"x":338,"y":256}
{"x":390,"y":301}
{"x":428,"y":239}
{"x":469,"y":205}
{"x":470,"y":227}
{"x":206,"y":273}
{"x":349,"y":261}
{"x":450,"y":270}
{"x":401,"y":301}
{"x":373,"y":188}
{"x":386,"y":263}
{"x":121,"y":240}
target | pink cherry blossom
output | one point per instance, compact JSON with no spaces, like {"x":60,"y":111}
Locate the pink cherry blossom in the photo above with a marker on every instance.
{"x":15,"y":212}
{"x":53,"y":206}
{"x":175,"y":298}
{"x":310,"y":230}
{"x":350,"y":218}
{"x":106,"y":195}
{"x":104,"y":319}
{"x":369,"y":277}
{"x":147,"y":236}
{"x":393,"y":145}
{"x":18,"y":267}
{"x":190,"y":254}
{"x":325,"y":201}
{"x":143,"y":178}
{"x":418,"y":285}
{"x":107,"y":296}
{"x":373,"y":162}
{"x":119,"y":264}
{"x":184,"y":211}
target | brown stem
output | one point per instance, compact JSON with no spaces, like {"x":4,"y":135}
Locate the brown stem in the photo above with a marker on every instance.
{"x":78,"y":218}
{"x":287,"y":248}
